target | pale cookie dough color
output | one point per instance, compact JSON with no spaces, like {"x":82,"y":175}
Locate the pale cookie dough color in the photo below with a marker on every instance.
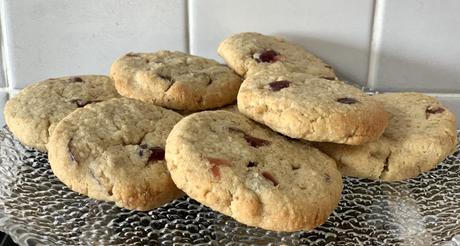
{"x":175,"y":80}
{"x":245,"y":170}
{"x":301,"y":106}
{"x":35,"y":111}
{"x":251,"y":52}
{"x":421,"y":133}
{"x":114,"y":151}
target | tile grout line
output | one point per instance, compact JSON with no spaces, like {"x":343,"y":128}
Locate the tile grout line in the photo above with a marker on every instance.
{"x":187,"y":26}
{"x":371,"y":31}
{"x":376,"y":31}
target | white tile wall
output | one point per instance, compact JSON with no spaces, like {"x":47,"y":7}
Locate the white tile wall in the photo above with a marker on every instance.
{"x":59,"y":37}
{"x":335,"y":30}
{"x":409,"y":45}
{"x":417,"y":46}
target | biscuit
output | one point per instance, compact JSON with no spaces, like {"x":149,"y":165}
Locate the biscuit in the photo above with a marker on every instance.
{"x":36,"y":110}
{"x":421,"y":133}
{"x":252,"y":52}
{"x":244,"y":170}
{"x":114,"y":151}
{"x":301,"y":106}
{"x":175,"y":80}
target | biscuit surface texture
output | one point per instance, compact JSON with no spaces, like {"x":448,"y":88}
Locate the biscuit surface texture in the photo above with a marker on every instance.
{"x":252,"y":52}
{"x":421,"y":133}
{"x":244,"y":170}
{"x":35,"y":111}
{"x":114,"y":151}
{"x":175,"y":80}
{"x":305,"y":107}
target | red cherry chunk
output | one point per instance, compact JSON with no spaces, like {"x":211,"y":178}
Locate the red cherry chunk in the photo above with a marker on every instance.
{"x":158,"y":154}
{"x":256,"y":142}
{"x":328,"y":78}
{"x":270,"y":177}
{"x":433,"y":110}
{"x":279,"y":85}
{"x":76,"y":80}
{"x":155,"y":153}
{"x":82,"y":102}
{"x":347,"y":100}
{"x":215,"y":163}
{"x":269,"y":56}
{"x":253,"y":141}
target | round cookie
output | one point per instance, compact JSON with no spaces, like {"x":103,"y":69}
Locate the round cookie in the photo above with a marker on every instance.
{"x":258,"y":177}
{"x":114,"y":151}
{"x":175,"y":80}
{"x":421,"y":133}
{"x":301,"y":106}
{"x":251,"y":52}
{"x":35,"y":111}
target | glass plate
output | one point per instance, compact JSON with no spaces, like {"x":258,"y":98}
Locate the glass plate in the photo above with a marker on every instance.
{"x":36,"y":208}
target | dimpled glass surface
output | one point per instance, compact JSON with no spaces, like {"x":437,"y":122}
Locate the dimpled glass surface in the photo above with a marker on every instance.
{"x":36,"y":208}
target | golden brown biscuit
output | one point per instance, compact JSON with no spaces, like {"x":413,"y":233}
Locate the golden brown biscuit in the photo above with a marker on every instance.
{"x":114,"y":151}
{"x":33,"y":113}
{"x":175,"y":80}
{"x":244,"y":170}
{"x":421,"y":133}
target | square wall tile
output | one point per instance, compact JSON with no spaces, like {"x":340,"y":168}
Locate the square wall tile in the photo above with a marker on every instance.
{"x":65,"y":37}
{"x":3,"y":99}
{"x":416,"y":46}
{"x":453,"y":104}
{"x":336,"y":31}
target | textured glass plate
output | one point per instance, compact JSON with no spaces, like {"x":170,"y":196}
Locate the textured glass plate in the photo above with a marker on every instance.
{"x":35,"y":208}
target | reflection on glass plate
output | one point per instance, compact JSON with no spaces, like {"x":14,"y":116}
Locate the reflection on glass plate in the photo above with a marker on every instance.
{"x":35,"y":208}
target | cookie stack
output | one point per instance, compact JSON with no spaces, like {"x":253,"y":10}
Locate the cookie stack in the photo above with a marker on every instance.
{"x":275,"y":162}
{"x":391,"y":136}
